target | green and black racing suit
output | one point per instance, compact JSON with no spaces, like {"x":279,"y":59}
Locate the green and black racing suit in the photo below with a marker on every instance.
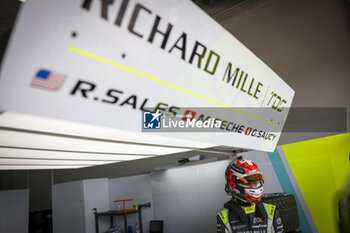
{"x":238,"y":217}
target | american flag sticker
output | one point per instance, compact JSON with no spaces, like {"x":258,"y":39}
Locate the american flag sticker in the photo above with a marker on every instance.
{"x":48,"y":80}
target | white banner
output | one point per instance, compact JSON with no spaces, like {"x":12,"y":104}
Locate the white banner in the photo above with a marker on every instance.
{"x":104,"y":62}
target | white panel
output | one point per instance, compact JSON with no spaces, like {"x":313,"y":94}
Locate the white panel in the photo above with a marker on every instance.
{"x":189,"y":198}
{"x":176,"y":199}
{"x":96,"y":195}
{"x":211,"y":194}
{"x":68,"y":208}
{"x":14,"y":211}
{"x":132,"y":67}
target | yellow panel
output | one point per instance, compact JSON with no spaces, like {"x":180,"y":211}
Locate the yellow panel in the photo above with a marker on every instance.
{"x":313,"y":170}
{"x":339,"y":152}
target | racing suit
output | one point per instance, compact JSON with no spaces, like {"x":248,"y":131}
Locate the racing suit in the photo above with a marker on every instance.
{"x":238,"y":217}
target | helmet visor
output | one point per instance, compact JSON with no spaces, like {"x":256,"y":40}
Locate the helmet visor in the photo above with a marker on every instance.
{"x":250,"y":180}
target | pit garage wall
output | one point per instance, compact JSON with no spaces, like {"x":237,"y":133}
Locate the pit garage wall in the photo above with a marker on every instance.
{"x":14,"y":211}
{"x":73,"y":204}
{"x":188,"y":198}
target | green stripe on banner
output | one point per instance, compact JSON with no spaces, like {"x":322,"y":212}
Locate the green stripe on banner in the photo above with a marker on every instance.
{"x":287,"y":186}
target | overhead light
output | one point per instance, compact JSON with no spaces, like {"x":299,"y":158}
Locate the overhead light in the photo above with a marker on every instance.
{"x":40,"y":162}
{"x":30,"y":153}
{"x":42,"y":124}
{"x":32,"y":142}
{"x":42,"y":141}
{"x":35,"y":167}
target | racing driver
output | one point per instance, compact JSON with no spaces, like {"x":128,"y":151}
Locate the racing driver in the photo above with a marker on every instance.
{"x":244,"y":213}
